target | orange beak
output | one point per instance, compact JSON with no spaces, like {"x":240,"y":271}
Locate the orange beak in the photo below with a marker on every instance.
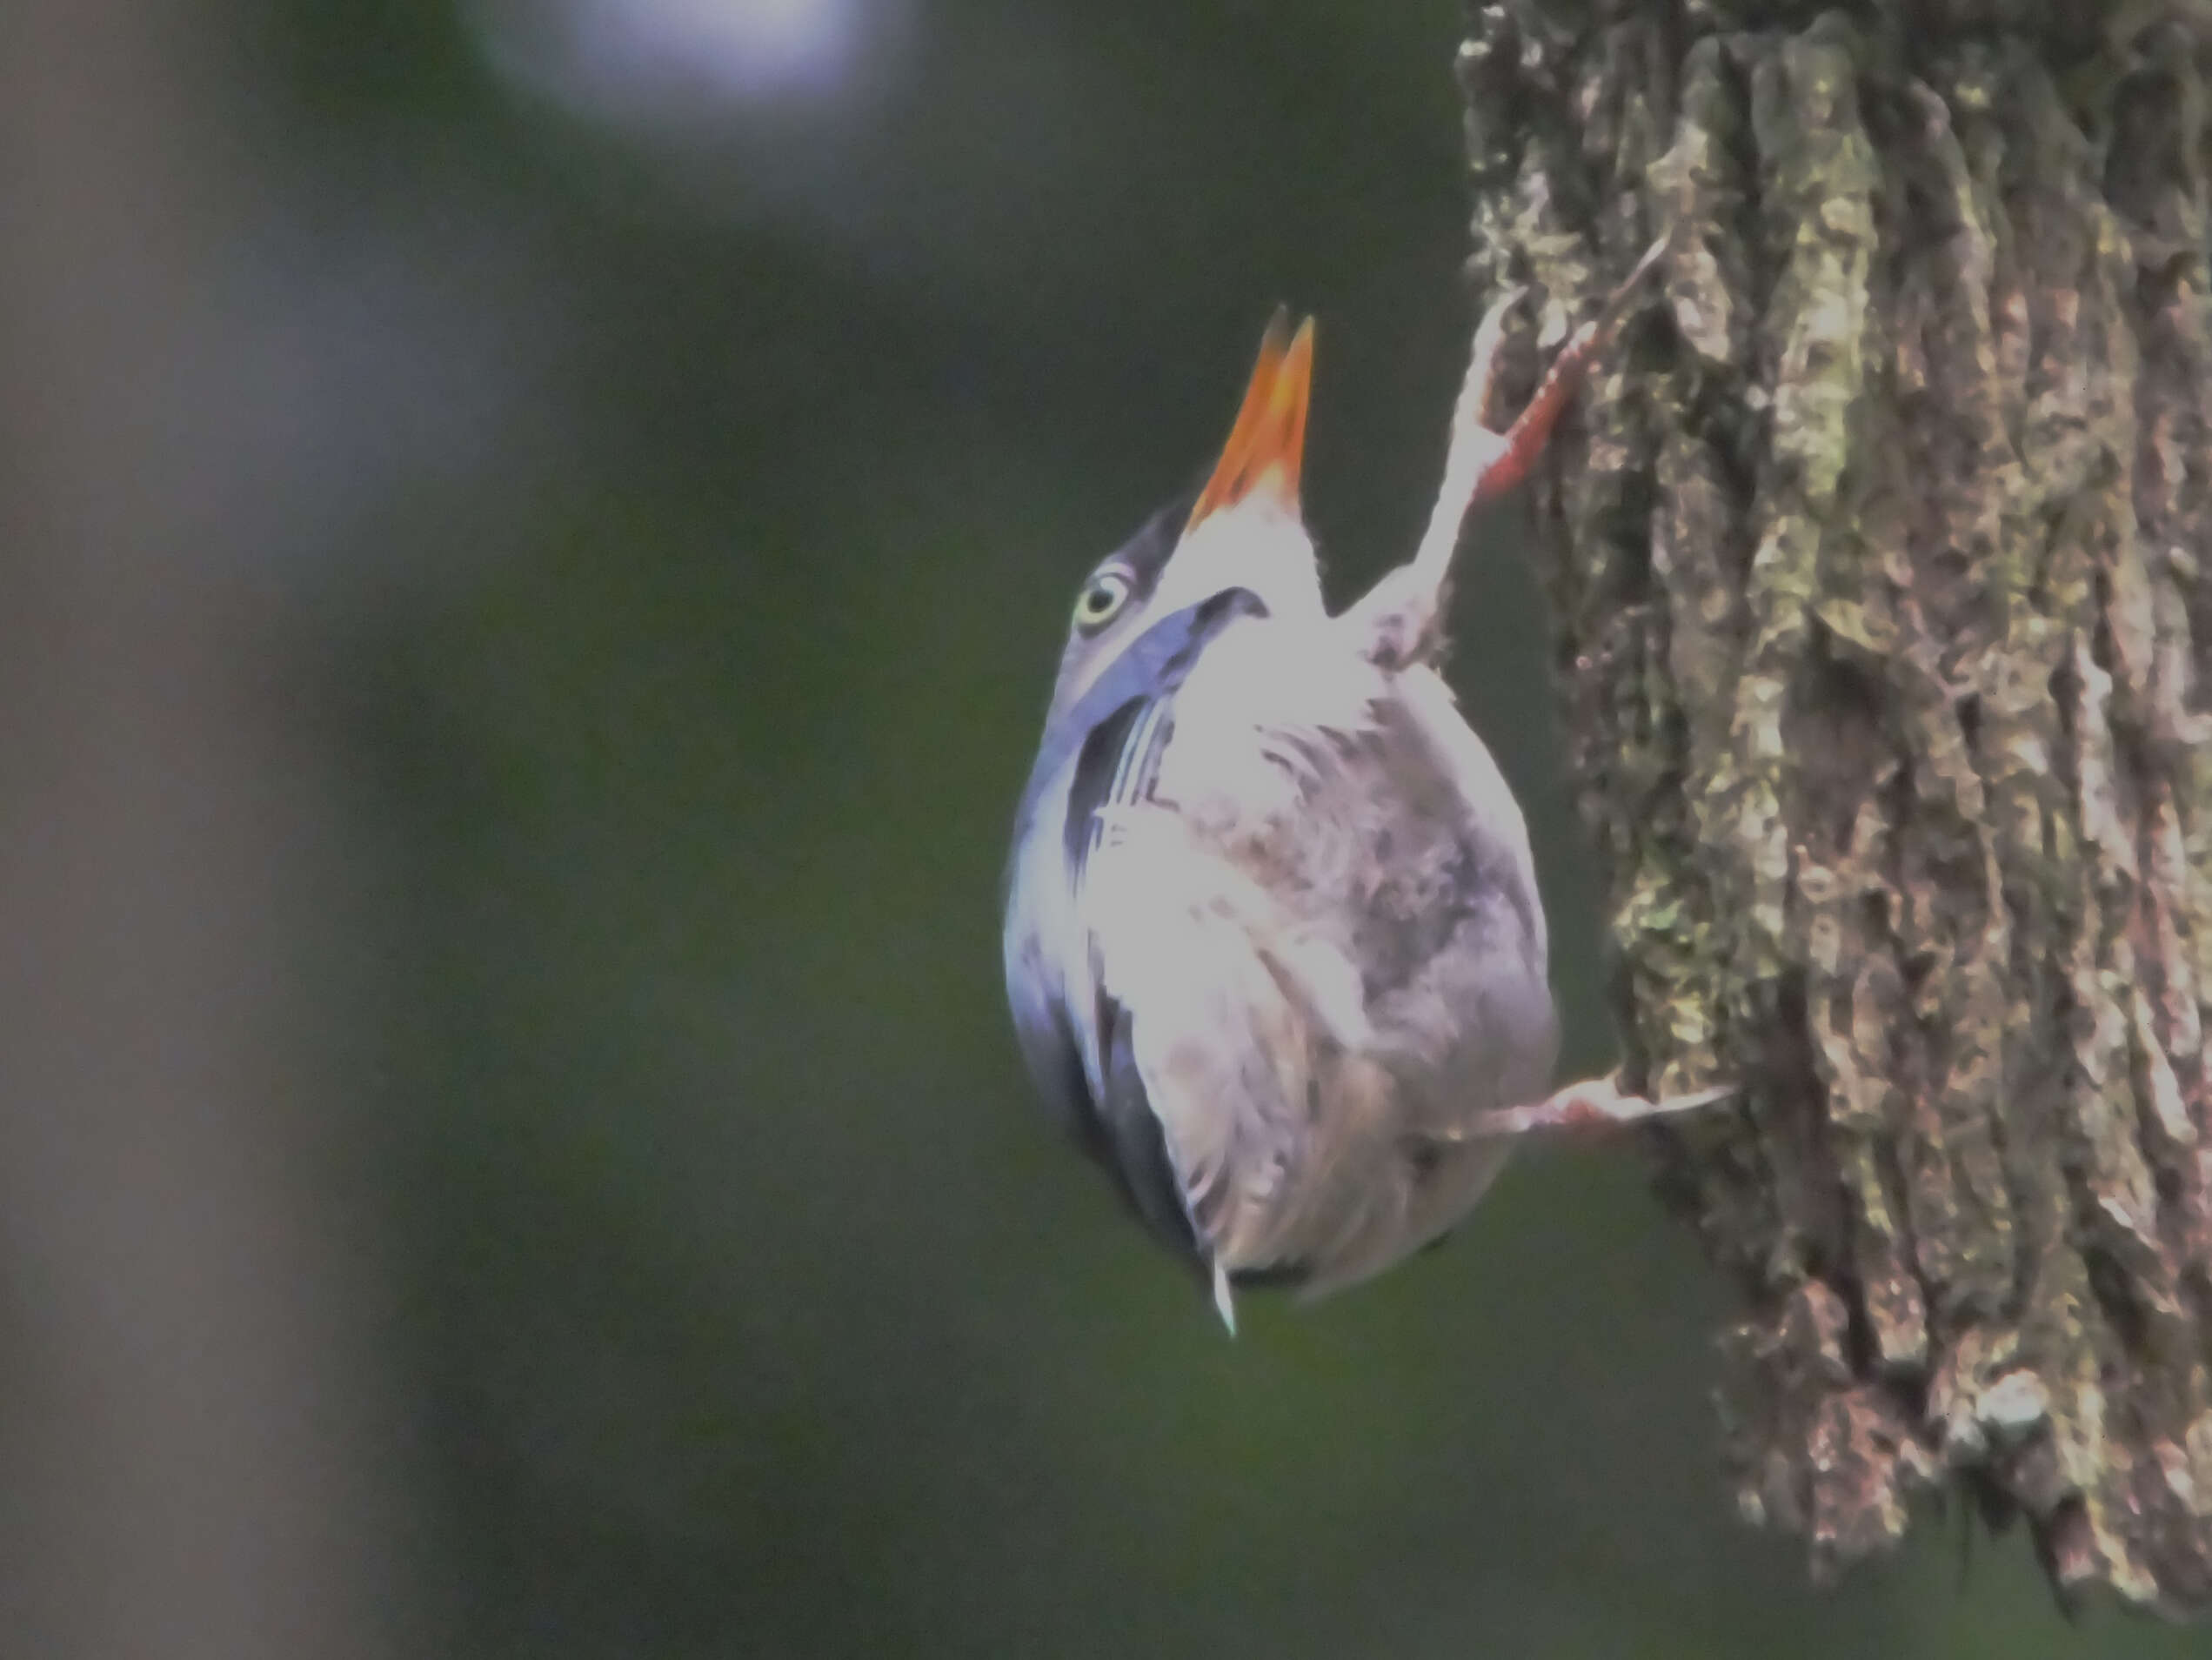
{"x":1268,"y":443}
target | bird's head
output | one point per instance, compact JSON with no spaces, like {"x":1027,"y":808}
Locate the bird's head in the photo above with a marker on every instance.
{"x":1244,"y":529}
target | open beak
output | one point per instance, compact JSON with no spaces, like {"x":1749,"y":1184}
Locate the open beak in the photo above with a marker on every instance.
{"x":1268,"y":443}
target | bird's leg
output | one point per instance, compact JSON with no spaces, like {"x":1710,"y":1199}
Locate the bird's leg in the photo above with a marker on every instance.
{"x":1402,"y":617}
{"x":1596,"y":1106}
{"x":1515,"y":451}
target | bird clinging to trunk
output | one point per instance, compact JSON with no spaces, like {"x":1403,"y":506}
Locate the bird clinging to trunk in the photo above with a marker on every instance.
{"x":1273,"y":944}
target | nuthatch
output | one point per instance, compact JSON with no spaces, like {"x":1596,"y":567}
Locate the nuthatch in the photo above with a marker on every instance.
{"x":1273,"y":940}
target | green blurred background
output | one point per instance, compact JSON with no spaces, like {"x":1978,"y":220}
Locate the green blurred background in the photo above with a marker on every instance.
{"x":656,"y":442}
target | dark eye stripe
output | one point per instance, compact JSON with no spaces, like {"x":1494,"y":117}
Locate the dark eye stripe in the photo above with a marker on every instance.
{"x":1145,"y":554}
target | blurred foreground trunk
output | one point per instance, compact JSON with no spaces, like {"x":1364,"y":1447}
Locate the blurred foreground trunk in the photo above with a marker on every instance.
{"x":182,"y":1466}
{"x":1881,"y":584}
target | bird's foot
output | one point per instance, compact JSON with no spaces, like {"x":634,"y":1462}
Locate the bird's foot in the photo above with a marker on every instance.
{"x":1595,"y":1106}
{"x":1402,"y":619}
{"x":1508,"y":456}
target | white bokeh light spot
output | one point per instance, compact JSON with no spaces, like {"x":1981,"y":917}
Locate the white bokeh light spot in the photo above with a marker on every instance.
{"x":655,"y":62}
{"x":746,"y":48}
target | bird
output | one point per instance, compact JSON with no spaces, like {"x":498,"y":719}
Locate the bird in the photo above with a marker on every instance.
{"x":1274,"y":946}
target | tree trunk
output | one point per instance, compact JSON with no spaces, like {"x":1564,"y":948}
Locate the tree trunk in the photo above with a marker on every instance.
{"x":195,"y":1441}
{"x":1880,"y":569}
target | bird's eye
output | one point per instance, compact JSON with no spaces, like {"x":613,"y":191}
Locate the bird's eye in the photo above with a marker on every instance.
{"x":1101,"y":600}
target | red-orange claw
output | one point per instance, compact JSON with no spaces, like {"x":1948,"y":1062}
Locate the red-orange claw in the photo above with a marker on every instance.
{"x":1532,"y":430}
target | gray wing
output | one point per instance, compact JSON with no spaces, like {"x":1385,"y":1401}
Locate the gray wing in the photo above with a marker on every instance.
{"x":1102,"y":758}
{"x":1074,"y":1031}
{"x":1212,"y":997}
{"x":1170,"y":1036}
{"x":1117,"y":769}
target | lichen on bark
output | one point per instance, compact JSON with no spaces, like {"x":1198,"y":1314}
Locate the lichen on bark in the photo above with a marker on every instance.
{"x":1878,"y":565}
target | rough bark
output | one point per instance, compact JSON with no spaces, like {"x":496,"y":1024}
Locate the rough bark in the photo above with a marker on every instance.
{"x":1881,"y":570}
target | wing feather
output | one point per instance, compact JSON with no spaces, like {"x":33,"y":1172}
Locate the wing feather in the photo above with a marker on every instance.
{"x":1101,"y":760}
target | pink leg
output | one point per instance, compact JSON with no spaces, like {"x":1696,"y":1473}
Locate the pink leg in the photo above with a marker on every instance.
{"x":1532,"y":428}
{"x":1594,"y":1106}
{"x":1400,"y":621}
